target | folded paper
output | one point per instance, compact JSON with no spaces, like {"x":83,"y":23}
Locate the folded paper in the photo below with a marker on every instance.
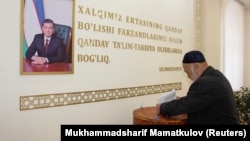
{"x":169,"y":96}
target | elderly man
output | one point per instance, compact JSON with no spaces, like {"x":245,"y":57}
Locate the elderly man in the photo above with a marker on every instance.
{"x":209,"y":100}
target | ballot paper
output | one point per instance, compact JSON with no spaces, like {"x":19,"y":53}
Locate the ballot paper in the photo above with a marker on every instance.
{"x":169,"y":96}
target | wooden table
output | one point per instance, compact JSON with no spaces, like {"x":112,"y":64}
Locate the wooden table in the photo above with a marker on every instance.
{"x":64,"y":67}
{"x":148,"y":116}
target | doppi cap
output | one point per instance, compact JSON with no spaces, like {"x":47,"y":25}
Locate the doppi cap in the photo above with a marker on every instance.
{"x":193,"y":57}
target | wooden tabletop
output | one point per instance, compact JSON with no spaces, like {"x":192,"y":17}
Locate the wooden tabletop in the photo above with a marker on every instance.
{"x":149,"y":116}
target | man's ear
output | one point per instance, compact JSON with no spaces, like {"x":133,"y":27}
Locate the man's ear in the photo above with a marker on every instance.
{"x":197,"y":66}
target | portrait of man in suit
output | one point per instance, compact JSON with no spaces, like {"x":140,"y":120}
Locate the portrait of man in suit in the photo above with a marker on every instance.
{"x":46,"y":47}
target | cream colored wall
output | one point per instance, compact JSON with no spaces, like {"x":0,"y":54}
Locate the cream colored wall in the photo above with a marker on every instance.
{"x":44,"y":124}
{"x":211,"y":45}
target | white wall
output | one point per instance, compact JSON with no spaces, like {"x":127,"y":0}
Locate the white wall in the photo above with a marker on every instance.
{"x":233,"y":45}
{"x":247,"y":49}
{"x":224,"y":38}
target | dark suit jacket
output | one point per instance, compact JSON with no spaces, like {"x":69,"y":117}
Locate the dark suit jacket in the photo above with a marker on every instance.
{"x":210,"y":100}
{"x":56,"y":49}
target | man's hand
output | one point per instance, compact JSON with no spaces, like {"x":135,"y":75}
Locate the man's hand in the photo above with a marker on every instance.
{"x":38,"y":60}
{"x":158,"y":105}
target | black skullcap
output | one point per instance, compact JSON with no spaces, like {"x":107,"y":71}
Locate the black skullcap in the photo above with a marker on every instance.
{"x":193,"y":57}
